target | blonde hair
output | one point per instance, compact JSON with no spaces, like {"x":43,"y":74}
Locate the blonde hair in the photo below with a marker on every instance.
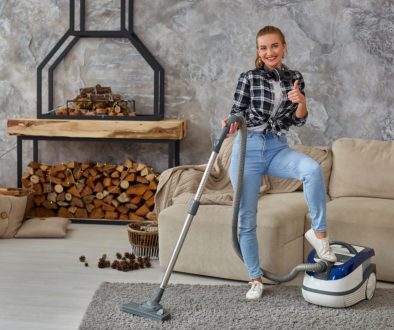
{"x":268,"y":29}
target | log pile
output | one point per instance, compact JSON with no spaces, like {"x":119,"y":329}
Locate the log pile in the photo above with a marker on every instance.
{"x":92,"y":190}
{"x":97,"y":101}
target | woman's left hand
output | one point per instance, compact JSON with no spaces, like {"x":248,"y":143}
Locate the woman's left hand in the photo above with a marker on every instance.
{"x":295,"y":94}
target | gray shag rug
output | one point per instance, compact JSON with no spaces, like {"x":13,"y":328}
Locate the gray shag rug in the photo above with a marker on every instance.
{"x":224,"y":307}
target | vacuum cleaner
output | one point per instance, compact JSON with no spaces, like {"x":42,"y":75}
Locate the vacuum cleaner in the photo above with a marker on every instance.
{"x":343,"y":283}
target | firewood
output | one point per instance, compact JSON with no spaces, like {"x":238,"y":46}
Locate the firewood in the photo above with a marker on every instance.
{"x":150,"y":177}
{"x":115,"y":203}
{"x":98,"y":187}
{"x":90,"y":207}
{"x":115,"y":182}
{"x":52,"y":197}
{"x":43,"y":212}
{"x":123,"y":217}
{"x":64,"y":213}
{"x":81,"y":213}
{"x":108,"y":198}
{"x":74,"y":191}
{"x":107,"y":207}
{"x":26,"y":183}
{"x":90,"y":182}
{"x":144,"y":172}
{"x":142,"y":211}
{"x":34,"y":165}
{"x":38,"y":188}
{"x":76,"y":201}
{"x":152,"y":185}
{"x":88,"y":199}
{"x":58,"y":188}
{"x":34,"y":179}
{"x":68,"y":196}
{"x":115,"y":174}
{"x":99,"y":195}
{"x":98,"y":202}
{"x":135,"y":217}
{"x":39,"y":173}
{"x":138,"y":189}
{"x":63,"y":203}
{"x":128,"y":163}
{"x":148,"y":194}
{"x":85,"y":165}
{"x":140,"y":167}
{"x":96,"y":213}
{"x":150,"y":202}
{"x":111,"y":215}
{"x":39,"y":199}
{"x":43,"y":167}
{"x":49,"y":205}
{"x":61,"y":175}
{"x":124,"y":184}
{"x":107,"y":182}
{"x":141,"y":179}
{"x":80,"y":185}
{"x":136,"y":200}
{"x":59,"y":167}
{"x":72,"y":164}
{"x":72,"y":209}
{"x":86,"y":191}
{"x":131,"y":206}
{"x":130,"y":177}
{"x":123,"y":198}
{"x":119,"y":168}
{"x":123,"y":174}
{"x":61,"y":197}
{"x":114,"y":190}
{"x":123,"y":209}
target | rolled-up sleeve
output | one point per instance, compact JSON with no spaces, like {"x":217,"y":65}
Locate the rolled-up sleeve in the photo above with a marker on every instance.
{"x":241,"y":100}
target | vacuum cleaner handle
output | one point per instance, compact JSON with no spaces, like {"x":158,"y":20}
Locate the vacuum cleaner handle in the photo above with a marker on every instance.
{"x":348,"y":246}
{"x":219,"y":140}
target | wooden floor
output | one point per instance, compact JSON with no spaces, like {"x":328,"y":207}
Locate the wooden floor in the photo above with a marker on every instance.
{"x":44,"y":286}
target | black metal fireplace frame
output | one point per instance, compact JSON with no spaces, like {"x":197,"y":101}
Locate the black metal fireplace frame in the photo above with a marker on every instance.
{"x":158,"y":87}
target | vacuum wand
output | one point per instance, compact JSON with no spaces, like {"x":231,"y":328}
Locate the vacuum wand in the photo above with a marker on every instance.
{"x":152,"y":308}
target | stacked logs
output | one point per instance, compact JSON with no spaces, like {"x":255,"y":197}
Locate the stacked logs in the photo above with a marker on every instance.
{"x":92,"y":190}
{"x":97,"y":101}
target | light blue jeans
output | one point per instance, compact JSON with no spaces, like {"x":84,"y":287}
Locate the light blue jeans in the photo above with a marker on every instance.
{"x":268,"y":154}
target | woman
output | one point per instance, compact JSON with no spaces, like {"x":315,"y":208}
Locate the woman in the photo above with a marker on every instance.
{"x":271,"y":98}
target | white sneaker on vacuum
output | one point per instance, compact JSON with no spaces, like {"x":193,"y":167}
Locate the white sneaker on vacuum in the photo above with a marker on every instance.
{"x":321,"y":245}
{"x":255,"y":292}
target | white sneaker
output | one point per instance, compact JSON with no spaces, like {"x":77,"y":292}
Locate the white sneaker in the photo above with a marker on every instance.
{"x":255,"y":292}
{"x":321,"y":245}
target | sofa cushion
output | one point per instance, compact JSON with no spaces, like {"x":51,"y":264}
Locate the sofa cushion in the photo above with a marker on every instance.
{"x":367,"y":222}
{"x":208,"y":249}
{"x":12,"y":212}
{"x":362,"y":168}
{"x":51,"y":227}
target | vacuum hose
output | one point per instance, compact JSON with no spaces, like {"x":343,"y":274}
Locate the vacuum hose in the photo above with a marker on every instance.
{"x":318,"y":267}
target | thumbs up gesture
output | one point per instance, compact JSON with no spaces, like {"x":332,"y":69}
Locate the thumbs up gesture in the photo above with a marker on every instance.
{"x":295,"y":94}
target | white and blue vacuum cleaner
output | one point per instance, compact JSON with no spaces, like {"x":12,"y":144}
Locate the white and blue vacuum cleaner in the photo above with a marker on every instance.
{"x":348,"y":281}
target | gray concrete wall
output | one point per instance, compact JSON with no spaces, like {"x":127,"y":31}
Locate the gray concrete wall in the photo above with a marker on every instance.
{"x":344,"y":48}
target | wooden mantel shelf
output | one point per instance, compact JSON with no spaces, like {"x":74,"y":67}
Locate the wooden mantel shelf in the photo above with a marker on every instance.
{"x":167,"y":129}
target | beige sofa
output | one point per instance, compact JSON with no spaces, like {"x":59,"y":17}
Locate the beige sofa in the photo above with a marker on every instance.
{"x":359,"y":176}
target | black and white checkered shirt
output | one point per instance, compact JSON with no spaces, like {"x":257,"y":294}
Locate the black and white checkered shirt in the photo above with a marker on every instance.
{"x":254,"y":98}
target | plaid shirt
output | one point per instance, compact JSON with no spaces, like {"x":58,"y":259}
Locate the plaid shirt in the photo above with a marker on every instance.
{"x":254,"y":99}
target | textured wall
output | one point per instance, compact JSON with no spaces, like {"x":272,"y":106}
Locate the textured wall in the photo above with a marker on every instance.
{"x":344,"y":48}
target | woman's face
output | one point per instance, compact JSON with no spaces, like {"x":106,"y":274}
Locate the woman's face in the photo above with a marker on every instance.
{"x":271,"y":49}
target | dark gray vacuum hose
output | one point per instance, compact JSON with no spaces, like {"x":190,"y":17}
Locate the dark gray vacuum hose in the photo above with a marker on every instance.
{"x":319,"y":267}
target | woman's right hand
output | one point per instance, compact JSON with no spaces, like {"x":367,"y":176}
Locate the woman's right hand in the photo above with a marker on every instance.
{"x":233,"y":126}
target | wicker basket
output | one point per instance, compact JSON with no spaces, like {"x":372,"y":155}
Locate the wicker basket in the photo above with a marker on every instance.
{"x":144,"y":238}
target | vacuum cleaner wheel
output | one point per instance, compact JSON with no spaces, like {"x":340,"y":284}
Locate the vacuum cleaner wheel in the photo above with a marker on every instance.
{"x":370,"y":287}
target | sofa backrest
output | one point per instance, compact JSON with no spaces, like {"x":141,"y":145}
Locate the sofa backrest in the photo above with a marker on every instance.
{"x":362,"y":168}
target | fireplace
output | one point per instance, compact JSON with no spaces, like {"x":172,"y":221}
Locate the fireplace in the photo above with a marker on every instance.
{"x":73,"y":36}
